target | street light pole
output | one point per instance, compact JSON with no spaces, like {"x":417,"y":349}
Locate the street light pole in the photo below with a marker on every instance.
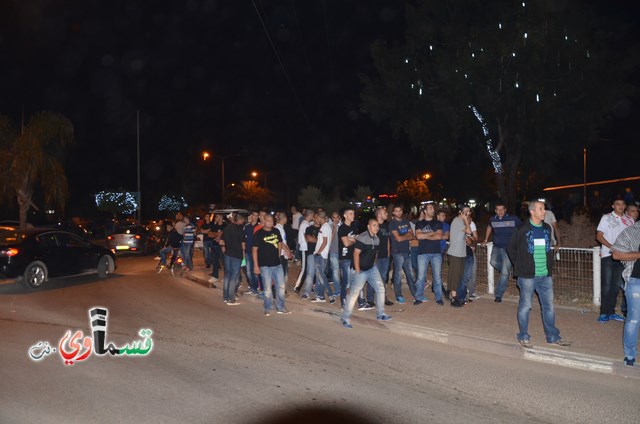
{"x":224,"y":200}
{"x":584,"y":177}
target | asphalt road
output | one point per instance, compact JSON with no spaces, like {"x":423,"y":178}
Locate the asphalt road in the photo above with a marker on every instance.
{"x":229,"y":364}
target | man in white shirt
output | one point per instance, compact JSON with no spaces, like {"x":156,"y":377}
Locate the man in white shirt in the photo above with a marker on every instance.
{"x":302,"y":246}
{"x":321,"y":257}
{"x":609,"y":228}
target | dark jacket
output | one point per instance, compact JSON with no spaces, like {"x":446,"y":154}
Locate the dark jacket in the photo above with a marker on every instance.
{"x":173,"y":239}
{"x":520,"y":250}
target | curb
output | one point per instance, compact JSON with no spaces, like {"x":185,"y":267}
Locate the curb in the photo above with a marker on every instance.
{"x":556,"y":357}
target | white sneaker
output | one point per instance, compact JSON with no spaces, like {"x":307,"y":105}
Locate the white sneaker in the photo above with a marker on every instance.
{"x":213,"y":280}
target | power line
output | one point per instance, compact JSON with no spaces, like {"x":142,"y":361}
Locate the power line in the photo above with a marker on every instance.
{"x":284,"y":69}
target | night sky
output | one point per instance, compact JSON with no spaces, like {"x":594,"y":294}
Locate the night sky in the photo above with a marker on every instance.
{"x":204,"y":76}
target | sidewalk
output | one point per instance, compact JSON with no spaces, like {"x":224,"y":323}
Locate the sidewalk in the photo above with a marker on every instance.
{"x":481,"y":325}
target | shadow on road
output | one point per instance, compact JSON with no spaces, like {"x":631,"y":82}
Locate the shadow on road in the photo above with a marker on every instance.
{"x":17,"y":288}
{"x":317,"y":415}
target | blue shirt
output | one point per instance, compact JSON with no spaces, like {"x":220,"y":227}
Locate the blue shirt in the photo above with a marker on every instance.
{"x":443,"y":243}
{"x":503,"y":228}
{"x":402,"y":227}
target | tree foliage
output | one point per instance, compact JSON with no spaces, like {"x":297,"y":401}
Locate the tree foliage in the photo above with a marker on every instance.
{"x":311,"y":197}
{"x":526,"y":80}
{"x":412,"y":192}
{"x":250,"y":194}
{"x":31,"y":158}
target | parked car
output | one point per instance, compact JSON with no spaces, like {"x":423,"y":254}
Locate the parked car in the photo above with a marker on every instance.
{"x":33,"y":256}
{"x":133,"y":238}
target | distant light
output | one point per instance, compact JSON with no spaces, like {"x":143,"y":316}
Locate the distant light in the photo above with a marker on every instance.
{"x":430,"y":47}
{"x":420,"y":91}
{"x":513,"y":54}
{"x":406,"y":60}
{"x":566,"y":37}
{"x":473,"y":55}
{"x":465,"y":75}
{"x":523,"y":4}
{"x":517,"y":85}
{"x":525,"y":35}
{"x":499,"y":26}
{"x":537,"y":98}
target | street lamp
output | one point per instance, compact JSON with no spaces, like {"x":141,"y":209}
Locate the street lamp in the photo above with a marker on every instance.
{"x":426,"y":176}
{"x":254,"y":174}
{"x":205,"y":155}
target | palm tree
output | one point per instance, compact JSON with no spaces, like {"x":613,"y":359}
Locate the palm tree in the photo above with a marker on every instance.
{"x":32,"y":158}
{"x":251,"y":194}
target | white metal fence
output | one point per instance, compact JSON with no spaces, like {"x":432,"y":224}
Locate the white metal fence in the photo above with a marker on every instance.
{"x":576,"y":276}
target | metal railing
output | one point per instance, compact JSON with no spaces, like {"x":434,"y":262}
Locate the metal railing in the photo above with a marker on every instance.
{"x":576,"y":276}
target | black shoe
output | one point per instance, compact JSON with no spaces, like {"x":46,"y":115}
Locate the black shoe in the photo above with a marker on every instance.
{"x":208,"y":266}
{"x":457,"y":303}
{"x":498,"y":300}
{"x":387,"y":302}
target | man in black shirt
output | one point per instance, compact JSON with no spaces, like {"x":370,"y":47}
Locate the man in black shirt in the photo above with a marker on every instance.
{"x":429,"y":235}
{"x":311,"y":236}
{"x":346,"y":238}
{"x":267,"y":244}
{"x":232,"y":244}
{"x":382,"y":262}
{"x":364,"y":258}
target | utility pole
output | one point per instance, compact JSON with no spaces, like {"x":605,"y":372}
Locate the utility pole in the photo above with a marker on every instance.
{"x":138,"y":150}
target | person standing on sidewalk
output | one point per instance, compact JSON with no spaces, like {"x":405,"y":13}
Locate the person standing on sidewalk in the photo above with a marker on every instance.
{"x":321,"y":254}
{"x":233,"y":245}
{"x":401,"y":235}
{"x":188,"y":240}
{"x":334,"y":253}
{"x":281,"y":221}
{"x":609,"y":228}
{"x":248,"y":231}
{"x":296,"y":219}
{"x":311,"y":237}
{"x":302,"y":247}
{"x":627,"y":249}
{"x":267,"y":244}
{"x":364,"y":258}
{"x":429,"y":234}
{"x":215,"y":232}
{"x":382,"y":260}
{"x":346,"y":239}
{"x":502,"y":225}
{"x":531,"y":252}
{"x":457,"y":254}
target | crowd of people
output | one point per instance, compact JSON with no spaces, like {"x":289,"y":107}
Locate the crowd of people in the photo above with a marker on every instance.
{"x":344,"y":259}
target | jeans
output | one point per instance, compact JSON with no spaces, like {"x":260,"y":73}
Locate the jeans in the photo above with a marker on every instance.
{"x":402,"y":262}
{"x":207,"y":248}
{"x":186,"y":250}
{"x":216,"y":257}
{"x":371,"y":275}
{"x":413,"y":251}
{"x":273,"y":274}
{"x":163,"y":255}
{"x":346,"y":277}
{"x":472,"y":280}
{"x":231,"y":274}
{"x":321,"y":277}
{"x":500,"y":261}
{"x":310,"y":272}
{"x":253,"y":278}
{"x":435,"y":259}
{"x":611,"y":280}
{"x":383,"y":268}
{"x":464,"y":287}
{"x":544,"y":287}
{"x":334,"y":260}
{"x":631,"y":324}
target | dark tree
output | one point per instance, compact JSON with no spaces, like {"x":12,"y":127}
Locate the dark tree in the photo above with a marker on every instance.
{"x":529,"y":82}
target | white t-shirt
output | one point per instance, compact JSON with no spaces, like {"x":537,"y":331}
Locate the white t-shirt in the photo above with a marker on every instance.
{"x":280,"y":228}
{"x":550,"y":219}
{"x":324,"y":233}
{"x":302,"y":242}
{"x":295,"y":220}
{"x":611,"y":225}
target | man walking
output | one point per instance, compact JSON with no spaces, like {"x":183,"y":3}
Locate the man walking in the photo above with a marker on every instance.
{"x":401,"y":235}
{"x":531,"y":252}
{"x":267,"y":244}
{"x":346,"y":239}
{"x":502,"y":225}
{"x":364,"y":256}
{"x":627,"y":249}
{"x":382,"y":260}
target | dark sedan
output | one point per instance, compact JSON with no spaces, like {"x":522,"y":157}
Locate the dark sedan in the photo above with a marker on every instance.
{"x":33,"y":256}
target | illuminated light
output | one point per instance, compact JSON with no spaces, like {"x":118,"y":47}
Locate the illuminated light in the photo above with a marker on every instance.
{"x":420,"y":91}
{"x":566,"y":38}
{"x":205,"y":155}
{"x":538,"y":98}
{"x":588,"y":54}
{"x":513,"y":54}
{"x":9,"y":252}
{"x":523,"y":4}
{"x":412,"y":87}
{"x":137,"y":236}
{"x":109,"y":238}
{"x":525,"y":35}
{"x":499,"y":26}
{"x":465,"y":75}
{"x":473,"y":55}
{"x":171,"y":203}
{"x":619,"y":180}
{"x":456,"y":71}
{"x":406,"y":60}
{"x":430,"y":47}
{"x":517,"y":85}
{"x":493,"y":153}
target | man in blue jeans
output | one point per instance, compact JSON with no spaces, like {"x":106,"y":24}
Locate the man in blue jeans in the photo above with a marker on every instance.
{"x":346,"y":239}
{"x":531,"y":252}
{"x":627,"y":249}
{"x":429,"y":234}
{"x":401,"y":235}
{"x":233,"y":245}
{"x":502,"y":225}
{"x":267,"y":244}
{"x":364,"y":269}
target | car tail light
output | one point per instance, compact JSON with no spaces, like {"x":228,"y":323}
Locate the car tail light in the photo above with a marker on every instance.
{"x":137,"y":236}
{"x":109,"y":238}
{"x":9,"y":252}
